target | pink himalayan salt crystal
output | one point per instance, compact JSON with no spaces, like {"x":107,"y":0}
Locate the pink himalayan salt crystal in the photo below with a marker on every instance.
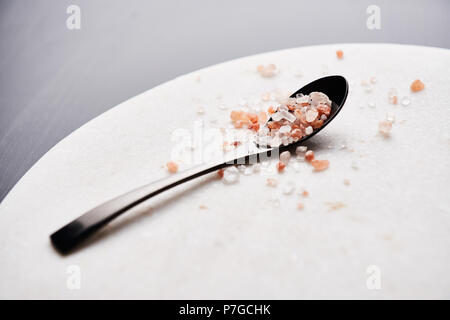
{"x":417,"y":85}
{"x":320,"y":165}
{"x":271,"y":182}
{"x":385,"y":127}
{"x":309,"y":155}
{"x":172,"y":167}
{"x":267,"y":71}
{"x":393,"y":96}
{"x":300,"y":206}
{"x":280,"y":166}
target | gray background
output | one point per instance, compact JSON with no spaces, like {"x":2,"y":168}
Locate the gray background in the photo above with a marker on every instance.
{"x":52,"y":80}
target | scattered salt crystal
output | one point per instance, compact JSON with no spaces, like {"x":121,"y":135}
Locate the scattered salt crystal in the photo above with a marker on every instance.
{"x":267,"y":71}
{"x":373,"y":80}
{"x":241,"y":168}
{"x":271,"y":182}
{"x":392,"y":96}
{"x":320,"y":165}
{"x":346,"y":182}
{"x":417,"y":85}
{"x":368,"y":88}
{"x":355,"y":166}
{"x":309,"y":155}
{"x":308,"y":130}
{"x":248,"y":171}
{"x":288,"y":188}
{"x":390,"y":117}
{"x":256,"y":168}
{"x":172,"y":167}
{"x":230,"y":175}
{"x":405,"y":101}
{"x":303,"y":193}
{"x":285,"y":156}
{"x":364,"y":83}
{"x":200,"y":110}
{"x":300,"y":206}
{"x":301,"y":150}
{"x":372,"y":104}
{"x":385,"y":127}
{"x":280,"y":166}
{"x":222,"y":107}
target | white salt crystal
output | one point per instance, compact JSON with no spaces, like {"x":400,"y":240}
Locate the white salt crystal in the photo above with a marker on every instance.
{"x":230,"y":175}
{"x":285,"y":157}
{"x":301,"y":150}
{"x":406,"y":101}
{"x":390,"y":117}
{"x":311,"y":115}
{"x":288,"y":188}
{"x":308,"y":130}
{"x":241,"y":168}
{"x":288,"y":116}
{"x":277,"y":116}
{"x":248,"y":171}
{"x":285,"y":129}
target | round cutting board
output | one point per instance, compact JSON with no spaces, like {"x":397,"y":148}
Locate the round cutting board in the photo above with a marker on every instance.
{"x":376,"y":224}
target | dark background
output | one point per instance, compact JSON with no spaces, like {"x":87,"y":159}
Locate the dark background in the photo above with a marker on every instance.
{"x":53,"y":80}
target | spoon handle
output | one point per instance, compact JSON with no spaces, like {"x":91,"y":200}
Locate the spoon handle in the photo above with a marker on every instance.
{"x":69,"y":236}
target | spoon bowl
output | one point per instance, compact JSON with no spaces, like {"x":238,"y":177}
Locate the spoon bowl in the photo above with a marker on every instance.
{"x":335,"y":87}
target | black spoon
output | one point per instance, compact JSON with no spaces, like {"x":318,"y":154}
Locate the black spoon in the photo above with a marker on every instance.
{"x":71,"y":235}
